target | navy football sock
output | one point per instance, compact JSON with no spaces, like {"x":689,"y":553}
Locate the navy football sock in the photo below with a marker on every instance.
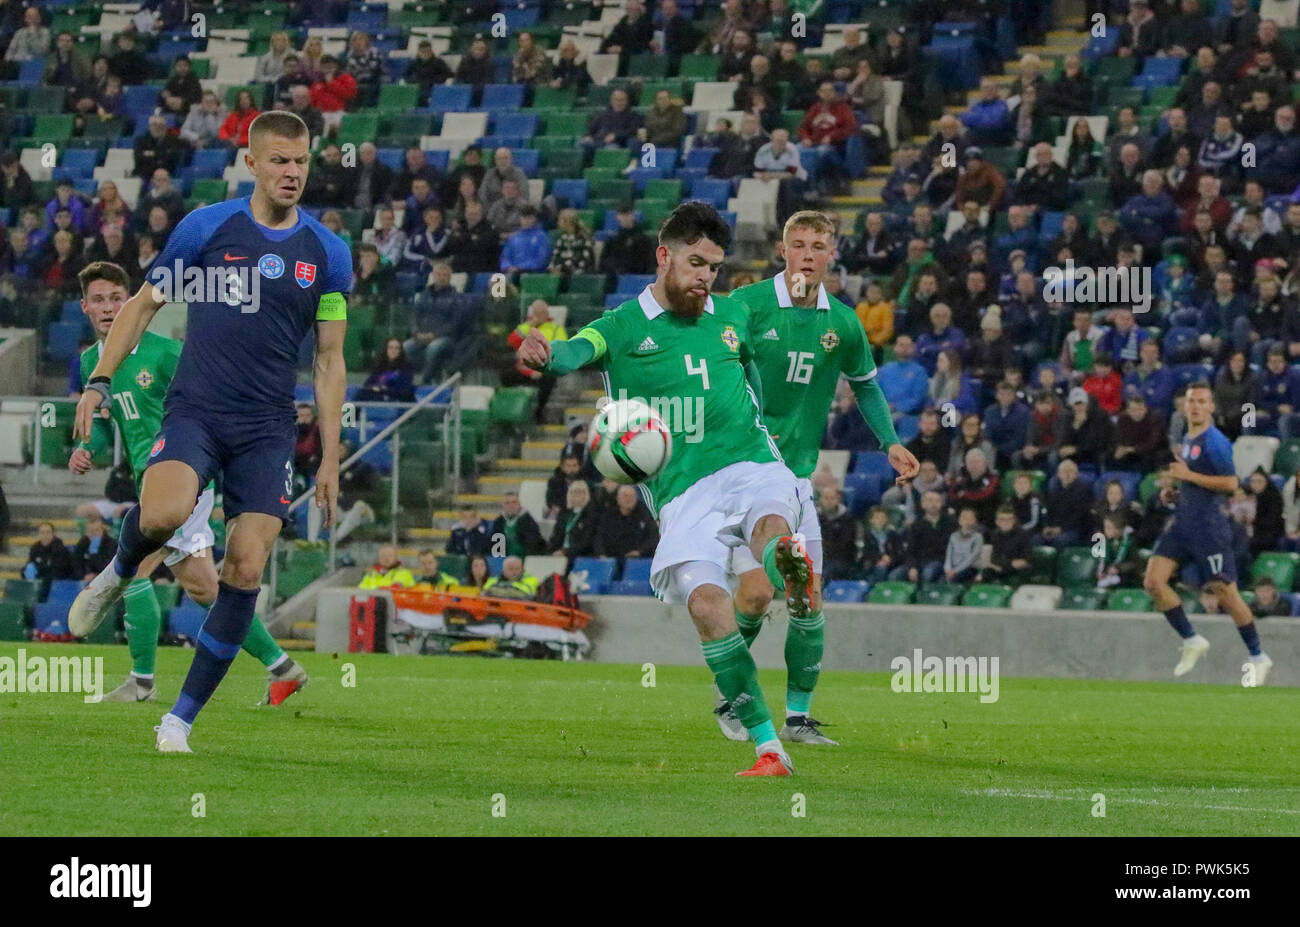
{"x":219,"y":642}
{"x":1250,"y":635}
{"x":1177,"y":619}
{"x":132,"y":546}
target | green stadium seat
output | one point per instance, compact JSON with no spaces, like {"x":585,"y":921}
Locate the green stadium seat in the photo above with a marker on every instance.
{"x":1277,"y":566}
{"x":1043,"y":570}
{"x":410,"y":125}
{"x":539,"y":286}
{"x":569,"y":123}
{"x":620,"y":190}
{"x":512,"y":406}
{"x":26,"y":592}
{"x":315,"y":558}
{"x":611,"y":158}
{"x":13,"y":621}
{"x":1149,"y":487}
{"x":1287,"y":459}
{"x":984,"y":595}
{"x":45,"y":100}
{"x":290,"y":582}
{"x":892,"y":593}
{"x":699,"y":67}
{"x":940,"y":594}
{"x":592,"y":285}
{"x":548,"y":144}
{"x":210,"y":191}
{"x":1082,"y":599}
{"x":1115,"y":70}
{"x":1128,"y":600}
{"x":397,"y":98}
{"x":1075,"y":566}
{"x":670,"y":191}
{"x":54,"y":128}
{"x":358,"y":127}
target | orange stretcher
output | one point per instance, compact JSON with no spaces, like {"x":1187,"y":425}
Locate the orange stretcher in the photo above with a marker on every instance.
{"x":465,"y":609}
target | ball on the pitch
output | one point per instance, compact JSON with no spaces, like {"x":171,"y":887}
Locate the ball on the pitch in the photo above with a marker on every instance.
{"x":629,"y":442}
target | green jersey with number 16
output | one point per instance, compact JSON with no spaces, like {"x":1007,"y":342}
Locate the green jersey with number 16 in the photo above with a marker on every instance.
{"x":800,"y":355}
{"x":692,"y":372}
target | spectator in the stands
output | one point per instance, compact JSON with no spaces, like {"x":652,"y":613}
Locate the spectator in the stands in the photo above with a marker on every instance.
{"x":1139,"y":37}
{"x":1104,"y":383}
{"x":513,"y":583}
{"x":877,"y":317}
{"x":94,"y":551}
{"x":48,"y":558}
{"x":433,"y":332}
{"x":477,"y":67}
{"x":927,"y":542}
{"x":1071,"y":94}
{"x":988,"y":120}
{"x":1139,"y":436}
{"x":665,"y":122}
{"x":903,"y":380}
{"x":1267,"y":603}
{"x":941,"y":336}
{"x":388,"y":571}
{"x":59,"y":267}
{"x":183,"y":83}
{"x":980,"y":182}
{"x":948,"y":384}
{"x":975,"y":485}
{"x":1012,"y":557}
{"x":1277,"y":396}
{"x":1202,"y":116}
{"x":630,"y":250}
{"x":736,"y":56}
{"x":530,"y":64}
{"x":965,"y":545}
{"x":571,"y":69}
{"x":1068,"y":515}
{"x":471,"y":534}
{"x":15,"y":183}
{"x":1046,"y":430}
{"x":234,"y":131}
{"x":372,"y":277}
{"x":271,"y":65}
{"x":506,"y":213}
{"x":970,"y":436}
{"x":475,"y":244}
{"x":1045,"y":185}
{"x":632,"y":33}
{"x":112,"y":245}
{"x":430,"y":245}
{"x":330,"y":181}
{"x":426,"y":70}
{"x":575,"y":524}
{"x":539,"y":317}
{"x":202,"y":127}
{"x":430,"y":573}
{"x":1088,"y":435}
{"x":161,"y":192}
{"x":391,"y":379}
{"x":32,"y":40}
{"x":1278,"y":154}
{"x":575,"y":250}
{"x":1006,"y":422}
{"x":502,"y":171}
{"x":1150,"y":216}
{"x":292,"y":75}
{"x":336,"y":90}
{"x":739,"y":149}
{"x":625,"y":529}
{"x":1233,"y":388}
{"x":66,"y":67}
{"x":517,"y":526}
{"x":826,"y":128}
{"x":159,"y":148}
{"x":1268,"y":527}
{"x":1220,"y":153}
{"x":528,"y":249}
{"x":931,"y":443}
{"x":300,"y":105}
{"x":1081,"y":343}
{"x":882,"y":547}
{"x":1084,"y":157}
{"x":992,"y":352}
{"x":614,"y":127}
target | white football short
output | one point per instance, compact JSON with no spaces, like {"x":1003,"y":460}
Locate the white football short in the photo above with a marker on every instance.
{"x":196,"y":534}
{"x":699,"y":529}
{"x":810,"y":526}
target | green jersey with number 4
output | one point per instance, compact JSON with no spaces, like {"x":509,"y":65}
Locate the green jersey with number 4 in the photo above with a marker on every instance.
{"x":800,"y":355}
{"x":139,"y":387}
{"x":692,"y":372}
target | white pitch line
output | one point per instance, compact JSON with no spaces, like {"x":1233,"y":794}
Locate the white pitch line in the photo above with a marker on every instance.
{"x":1061,"y":796}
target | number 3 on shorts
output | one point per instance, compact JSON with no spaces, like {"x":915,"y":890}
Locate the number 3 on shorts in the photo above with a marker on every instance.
{"x":1216,"y":563}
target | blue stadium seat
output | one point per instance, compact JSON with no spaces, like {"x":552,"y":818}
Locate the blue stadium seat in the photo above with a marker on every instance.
{"x":451,"y":98}
{"x":1160,"y":72}
{"x":846,"y":590}
{"x":636,"y":568}
{"x":1127,"y":478}
{"x":497,"y":97}
{"x":370,"y":20}
{"x":631,"y":587}
{"x":492,"y":142}
{"x":481,"y":282}
{"x":863,"y":490}
{"x":633,"y":283}
{"x":422,"y":391}
{"x":642,"y":175}
{"x":393,"y":158}
{"x":51,"y":619}
{"x":1050,"y":225}
{"x":215,"y":160}
{"x":701,"y":157}
{"x":81,"y":160}
{"x":495,"y":564}
{"x":520,"y":125}
{"x":1180,"y":344}
{"x":524,"y":18}
{"x":528,"y":160}
{"x":573,"y":192}
{"x":70,"y":311}
{"x":63,"y":591}
{"x":62,"y":340}
{"x":908,"y":427}
{"x":599,"y":572}
{"x":873,"y":462}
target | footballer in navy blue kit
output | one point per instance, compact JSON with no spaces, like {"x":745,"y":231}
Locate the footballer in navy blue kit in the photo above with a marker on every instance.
{"x":258,"y":275}
{"x":1199,"y":536}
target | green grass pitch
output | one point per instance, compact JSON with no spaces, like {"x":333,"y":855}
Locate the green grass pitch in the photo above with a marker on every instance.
{"x":433,"y":745}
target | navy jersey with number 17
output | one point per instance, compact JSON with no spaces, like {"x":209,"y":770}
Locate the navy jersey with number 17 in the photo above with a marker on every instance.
{"x":1209,"y":454}
{"x":241,"y":353}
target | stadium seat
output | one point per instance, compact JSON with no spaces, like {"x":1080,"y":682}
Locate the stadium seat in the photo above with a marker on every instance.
{"x":986,"y":595}
{"x":1129,"y":479}
{"x":940,"y":594}
{"x":1035,"y":598}
{"x":592,"y":574}
{"x":1082,"y":599}
{"x":50,"y":618}
{"x":1075,"y":566}
{"x":26,"y":592}
{"x":1043,"y":570}
{"x":1286,"y":462}
{"x":1278,"y":566}
{"x":451,"y":98}
{"x":639,"y":587}
{"x":636,"y":568}
{"x":13,"y":621}
{"x":1250,"y":452}
{"x":1128,"y":600}
{"x":502,"y":97}
{"x":846,"y":590}
{"x":63,"y":591}
{"x":892,"y":593}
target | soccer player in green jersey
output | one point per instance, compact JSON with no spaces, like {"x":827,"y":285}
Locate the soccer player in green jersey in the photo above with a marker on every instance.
{"x":138,"y":388}
{"x":804,"y":341}
{"x":688,"y":356}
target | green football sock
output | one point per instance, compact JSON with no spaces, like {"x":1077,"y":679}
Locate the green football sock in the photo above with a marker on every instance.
{"x":769,"y":566}
{"x":804,"y":641}
{"x":749,"y":626}
{"x":143,"y":620}
{"x":737,"y":679}
{"x":260,"y":644}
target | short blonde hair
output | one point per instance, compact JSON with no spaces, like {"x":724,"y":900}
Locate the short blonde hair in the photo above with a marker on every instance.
{"x":809,"y":219}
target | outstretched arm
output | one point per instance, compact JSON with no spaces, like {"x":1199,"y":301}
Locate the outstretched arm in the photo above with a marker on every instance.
{"x":562,"y":357}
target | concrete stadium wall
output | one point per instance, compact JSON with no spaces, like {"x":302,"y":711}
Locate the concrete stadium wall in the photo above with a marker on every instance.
{"x":18,"y":362}
{"x":1081,"y":645}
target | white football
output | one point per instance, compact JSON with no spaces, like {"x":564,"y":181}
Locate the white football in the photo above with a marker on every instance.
{"x":629,"y":442}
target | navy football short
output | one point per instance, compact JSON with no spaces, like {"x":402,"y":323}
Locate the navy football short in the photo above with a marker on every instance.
{"x":1207,"y":549}
{"x":254,"y":459}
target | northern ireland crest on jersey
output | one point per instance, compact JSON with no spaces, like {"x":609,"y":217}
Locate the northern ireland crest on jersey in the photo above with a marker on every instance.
{"x":304,"y":273}
{"x":730,"y":338}
{"x":144,"y":379}
{"x":829,"y":340}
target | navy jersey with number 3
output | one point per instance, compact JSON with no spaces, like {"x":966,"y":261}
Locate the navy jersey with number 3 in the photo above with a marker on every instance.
{"x":241,"y":357}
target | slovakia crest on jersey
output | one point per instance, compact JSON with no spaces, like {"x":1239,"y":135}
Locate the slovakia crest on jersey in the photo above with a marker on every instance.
{"x":304,"y":273}
{"x":1196,"y":451}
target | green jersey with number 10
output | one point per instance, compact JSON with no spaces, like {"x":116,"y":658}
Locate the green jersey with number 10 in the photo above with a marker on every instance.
{"x":692,"y":372}
{"x":800,"y":355}
{"x":139,"y":387}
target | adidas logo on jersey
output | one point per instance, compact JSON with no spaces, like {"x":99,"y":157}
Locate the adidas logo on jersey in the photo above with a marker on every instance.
{"x":771,"y":335}
{"x":648,"y":345}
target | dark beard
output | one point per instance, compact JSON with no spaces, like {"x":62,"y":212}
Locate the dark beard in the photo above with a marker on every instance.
{"x":683,"y":304}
